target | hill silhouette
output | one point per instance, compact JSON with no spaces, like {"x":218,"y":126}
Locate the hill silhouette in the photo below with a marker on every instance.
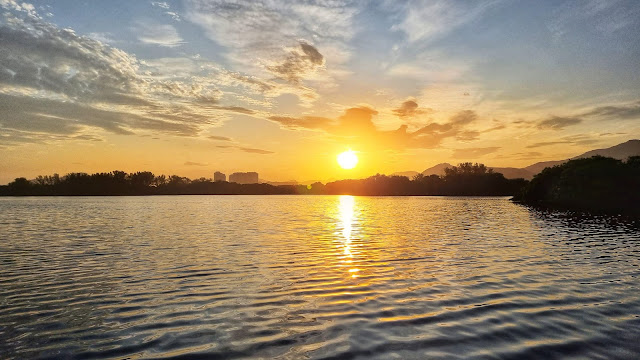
{"x":596,"y":184}
{"x":621,"y":152}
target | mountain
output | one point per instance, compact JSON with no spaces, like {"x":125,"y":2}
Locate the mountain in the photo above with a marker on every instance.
{"x":539,"y":166}
{"x":514,"y":173}
{"x":436,"y":170}
{"x":620,"y":152}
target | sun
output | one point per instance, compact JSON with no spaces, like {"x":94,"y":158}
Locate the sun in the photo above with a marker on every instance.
{"x":348,"y":159}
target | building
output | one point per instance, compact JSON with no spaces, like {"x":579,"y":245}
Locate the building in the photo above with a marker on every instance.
{"x":218,"y":176}
{"x":244,"y":178}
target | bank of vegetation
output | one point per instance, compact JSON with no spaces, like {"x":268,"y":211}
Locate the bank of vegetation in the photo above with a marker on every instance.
{"x":466,"y":179}
{"x":599,"y":184}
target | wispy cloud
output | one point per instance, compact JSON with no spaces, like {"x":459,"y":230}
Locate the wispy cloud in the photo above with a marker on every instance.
{"x":558,"y":122}
{"x":219,"y":138}
{"x":567,"y":140}
{"x":607,"y":17}
{"x":157,"y":34}
{"x":192,"y":163}
{"x":246,"y":149}
{"x":472,"y":153}
{"x":167,"y":9}
{"x":428,"y":20}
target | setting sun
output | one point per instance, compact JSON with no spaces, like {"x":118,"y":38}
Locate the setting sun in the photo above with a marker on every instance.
{"x":348,"y":159}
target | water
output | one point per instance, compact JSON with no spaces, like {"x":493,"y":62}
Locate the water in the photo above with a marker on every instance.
{"x":296,"y":277}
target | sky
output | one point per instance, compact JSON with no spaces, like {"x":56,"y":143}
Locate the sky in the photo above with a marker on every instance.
{"x":282,"y":87}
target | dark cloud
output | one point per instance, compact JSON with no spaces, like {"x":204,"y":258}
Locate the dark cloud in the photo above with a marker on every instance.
{"x":410,"y":109}
{"x":618,"y":112}
{"x":302,"y":60}
{"x":471,"y":153}
{"x":558,"y":122}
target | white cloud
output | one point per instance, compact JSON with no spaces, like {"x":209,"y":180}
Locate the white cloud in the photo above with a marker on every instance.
{"x":259,"y":35}
{"x":53,"y":81}
{"x":157,"y":34}
{"x":160,"y":4}
{"x":427,"y":20}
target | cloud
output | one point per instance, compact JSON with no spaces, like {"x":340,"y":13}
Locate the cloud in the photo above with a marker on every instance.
{"x":298,"y":42}
{"x":356,"y":125}
{"x":246,"y":149}
{"x":305,"y":122}
{"x":410,"y":109}
{"x":607,"y":17}
{"x":255,"y":151}
{"x":219,"y":138}
{"x":470,"y":153}
{"x":567,"y":140}
{"x":558,"y":122}
{"x":191,"y":163}
{"x":616,"y":112}
{"x":157,"y":34}
{"x":428,"y":20}
{"x":55,"y":81}
{"x":166,"y":7}
{"x":300,"y":61}
{"x":160,"y":4}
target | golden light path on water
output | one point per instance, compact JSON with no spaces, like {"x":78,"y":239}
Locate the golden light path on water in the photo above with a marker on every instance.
{"x":347,"y":216}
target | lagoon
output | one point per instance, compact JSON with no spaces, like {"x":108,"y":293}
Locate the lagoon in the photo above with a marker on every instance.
{"x":319,"y":277}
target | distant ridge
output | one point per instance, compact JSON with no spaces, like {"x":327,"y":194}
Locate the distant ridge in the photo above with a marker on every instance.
{"x":621,"y":152}
{"x":436,"y":170}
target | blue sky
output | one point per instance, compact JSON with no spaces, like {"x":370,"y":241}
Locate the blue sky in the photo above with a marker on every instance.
{"x":281,"y":87}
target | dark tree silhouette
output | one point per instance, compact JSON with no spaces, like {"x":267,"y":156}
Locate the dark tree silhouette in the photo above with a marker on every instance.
{"x":464,"y":179}
{"x":597,"y":184}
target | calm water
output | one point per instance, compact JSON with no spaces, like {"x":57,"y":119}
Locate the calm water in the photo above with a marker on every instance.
{"x":297,"y":277}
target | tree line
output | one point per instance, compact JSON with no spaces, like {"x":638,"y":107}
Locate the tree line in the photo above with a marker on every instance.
{"x":594,"y":184}
{"x":465,"y":179}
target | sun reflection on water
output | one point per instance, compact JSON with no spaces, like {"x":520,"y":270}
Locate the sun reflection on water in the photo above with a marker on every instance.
{"x":346,"y":208}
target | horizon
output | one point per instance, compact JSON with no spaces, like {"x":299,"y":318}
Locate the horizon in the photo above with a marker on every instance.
{"x":193,"y":87}
{"x":325,"y":181}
